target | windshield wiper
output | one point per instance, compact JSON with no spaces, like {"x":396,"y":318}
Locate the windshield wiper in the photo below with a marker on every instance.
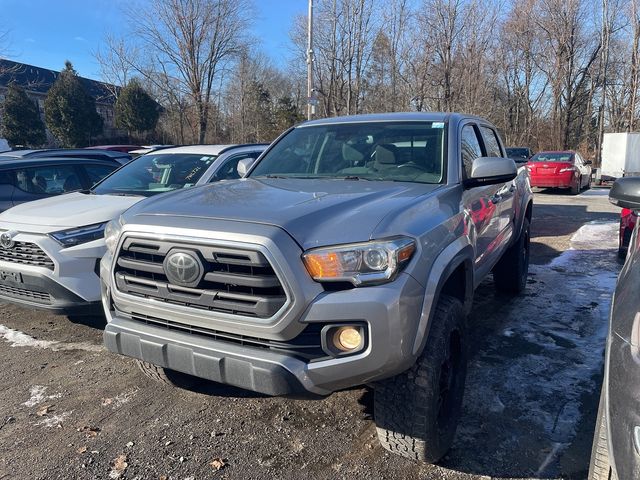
{"x":121,"y":194}
{"x":355,"y":177}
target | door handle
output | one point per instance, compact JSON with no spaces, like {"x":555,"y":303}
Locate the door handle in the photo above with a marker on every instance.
{"x":496,"y":198}
{"x":512,"y":188}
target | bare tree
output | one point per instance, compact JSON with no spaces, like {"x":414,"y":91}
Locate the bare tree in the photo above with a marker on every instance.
{"x":191,"y":42}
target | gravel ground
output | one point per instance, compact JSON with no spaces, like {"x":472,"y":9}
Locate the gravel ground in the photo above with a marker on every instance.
{"x":69,"y":409}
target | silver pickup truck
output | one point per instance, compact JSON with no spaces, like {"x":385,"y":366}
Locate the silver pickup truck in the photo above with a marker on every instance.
{"x":348,"y":256}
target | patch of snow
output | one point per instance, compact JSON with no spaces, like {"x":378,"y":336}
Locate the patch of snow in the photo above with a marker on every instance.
{"x":38,"y":396}
{"x":17,"y":338}
{"x":123,"y":398}
{"x":54,"y":420}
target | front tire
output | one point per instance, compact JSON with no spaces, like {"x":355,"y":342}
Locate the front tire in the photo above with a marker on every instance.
{"x":417,"y":412}
{"x":510,"y":273}
{"x":600,"y":465}
{"x":167,"y":376}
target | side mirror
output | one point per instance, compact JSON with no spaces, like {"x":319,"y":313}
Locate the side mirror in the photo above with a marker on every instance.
{"x":244,"y":165}
{"x":625,"y":193}
{"x":588,"y":162}
{"x":491,"y":171}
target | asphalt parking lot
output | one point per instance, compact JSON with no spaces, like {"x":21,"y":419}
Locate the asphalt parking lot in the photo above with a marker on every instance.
{"x":69,"y":409}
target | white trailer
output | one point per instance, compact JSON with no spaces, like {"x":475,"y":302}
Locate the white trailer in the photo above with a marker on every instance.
{"x":620,"y":155}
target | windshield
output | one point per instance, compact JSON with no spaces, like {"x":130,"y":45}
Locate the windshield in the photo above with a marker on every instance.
{"x":394,"y":151}
{"x":553,"y":157}
{"x":151,"y":174}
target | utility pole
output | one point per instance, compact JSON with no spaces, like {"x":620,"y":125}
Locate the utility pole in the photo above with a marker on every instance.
{"x":311,"y":107}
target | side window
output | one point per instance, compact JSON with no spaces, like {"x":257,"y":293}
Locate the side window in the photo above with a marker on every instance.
{"x":229,"y":170}
{"x":97,"y":172}
{"x":491,"y":142}
{"x":470,"y":148}
{"x":48,"y":179}
{"x":7,"y":178}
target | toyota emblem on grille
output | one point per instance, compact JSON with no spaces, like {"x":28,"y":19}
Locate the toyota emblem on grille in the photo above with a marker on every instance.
{"x":6,"y":239}
{"x":183,"y":268}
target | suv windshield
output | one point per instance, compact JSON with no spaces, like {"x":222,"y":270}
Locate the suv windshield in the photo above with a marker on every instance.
{"x":553,"y":157}
{"x":151,"y":174}
{"x":394,"y":151}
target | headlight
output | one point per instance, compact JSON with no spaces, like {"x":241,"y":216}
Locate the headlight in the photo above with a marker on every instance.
{"x":76,"y":236}
{"x":111,"y":234}
{"x":365,"y":263}
{"x":567,"y":169}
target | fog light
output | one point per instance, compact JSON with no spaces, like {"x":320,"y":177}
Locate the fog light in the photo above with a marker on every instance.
{"x":347,"y":338}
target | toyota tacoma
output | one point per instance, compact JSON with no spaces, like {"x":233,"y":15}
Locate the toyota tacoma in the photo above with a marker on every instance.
{"x":348,"y":256}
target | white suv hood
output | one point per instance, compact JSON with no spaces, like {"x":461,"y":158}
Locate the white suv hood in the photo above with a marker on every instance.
{"x":64,"y":211}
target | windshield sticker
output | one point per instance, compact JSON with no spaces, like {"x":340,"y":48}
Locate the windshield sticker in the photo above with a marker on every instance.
{"x":437,"y":125}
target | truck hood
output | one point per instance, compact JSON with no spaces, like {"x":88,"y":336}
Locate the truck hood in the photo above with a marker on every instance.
{"x":314,"y":212}
{"x":65,"y":211}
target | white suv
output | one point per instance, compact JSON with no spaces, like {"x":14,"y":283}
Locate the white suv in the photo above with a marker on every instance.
{"x":50,"y":249}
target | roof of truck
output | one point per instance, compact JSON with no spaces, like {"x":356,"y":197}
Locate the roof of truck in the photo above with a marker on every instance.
{"x":396,"y":116}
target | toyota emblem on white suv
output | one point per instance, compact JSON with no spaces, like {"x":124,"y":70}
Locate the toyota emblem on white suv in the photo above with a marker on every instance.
{"x":6,"y":239}
{"x":183,"y":268}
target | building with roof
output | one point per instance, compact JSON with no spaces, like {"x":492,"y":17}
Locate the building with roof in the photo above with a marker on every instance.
{"x":36,"y":81}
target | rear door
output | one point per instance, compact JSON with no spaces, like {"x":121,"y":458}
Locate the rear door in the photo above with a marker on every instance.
{"x":505,"y":194}
{"x":479,"y":202}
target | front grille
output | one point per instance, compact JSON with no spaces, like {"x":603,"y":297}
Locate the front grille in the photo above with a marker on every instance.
{"x":235,"y":281}
{"x":307,"y":345}
{"x":26,"y":253}
{"x":23,"y":293}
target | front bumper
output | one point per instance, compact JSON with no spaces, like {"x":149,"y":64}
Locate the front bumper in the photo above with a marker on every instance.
{"x":72,"y":287}
{"x":391,"y":329}
{"x":43,"y":293}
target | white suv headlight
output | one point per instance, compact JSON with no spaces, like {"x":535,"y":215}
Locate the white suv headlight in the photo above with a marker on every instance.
{"x":79,"y":235}
{"x":112,"y":233}
{"x":364,"y":263}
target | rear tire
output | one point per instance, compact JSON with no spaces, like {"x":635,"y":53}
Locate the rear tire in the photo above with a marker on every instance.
{"x":417,"y":412}
{"x":167,"y":376}
{"x":600,"y":465}
{"x":510,"y":273}
{"x":575,"y":189}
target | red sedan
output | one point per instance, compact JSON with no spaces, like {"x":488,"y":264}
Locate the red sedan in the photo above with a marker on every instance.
{"x":628,"y":220}
{"x":560,"y":169}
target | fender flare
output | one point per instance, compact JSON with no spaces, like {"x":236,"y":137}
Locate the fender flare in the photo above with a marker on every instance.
{"x":457,"y":253}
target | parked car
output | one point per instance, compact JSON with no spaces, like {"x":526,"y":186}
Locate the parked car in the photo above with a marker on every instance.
{"x":83,"y":153}
{"x":27,"y":180}
{"x":616,"y":441}
{"x":115,"y":148}
{"x":519,"y":154}
{"x":53,"y":246}
{"x":560,"y":169}
{"x":348,"y":256}
{"x":628,"y":220}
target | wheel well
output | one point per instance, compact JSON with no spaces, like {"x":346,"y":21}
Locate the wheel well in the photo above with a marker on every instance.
{"x":456,"y":284}
{"x":529,"y":212}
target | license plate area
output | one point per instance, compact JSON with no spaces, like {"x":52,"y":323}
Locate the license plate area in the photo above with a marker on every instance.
{"x":15,"y":277}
